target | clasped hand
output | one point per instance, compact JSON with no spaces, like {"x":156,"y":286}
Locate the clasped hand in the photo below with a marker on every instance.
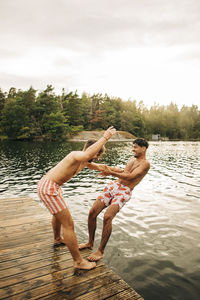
{"x":104,"y":171}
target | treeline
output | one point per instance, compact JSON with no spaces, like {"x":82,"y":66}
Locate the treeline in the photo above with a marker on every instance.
{"x":31,"y":115}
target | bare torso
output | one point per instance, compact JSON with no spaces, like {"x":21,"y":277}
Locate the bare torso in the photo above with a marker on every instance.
{"x":134,"y":165}
{"x":65,"y":169}
{"x":69,"y":167}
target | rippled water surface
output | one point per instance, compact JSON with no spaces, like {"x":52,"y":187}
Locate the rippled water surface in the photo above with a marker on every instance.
{"x":155,"y":244}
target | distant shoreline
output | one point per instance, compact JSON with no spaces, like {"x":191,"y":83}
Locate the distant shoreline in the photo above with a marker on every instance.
{"x":83,"y":136}
{"x":112,"y":141}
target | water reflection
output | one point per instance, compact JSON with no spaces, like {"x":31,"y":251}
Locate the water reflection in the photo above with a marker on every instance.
{"x":56,"y":270}
{"x":155,"y":241}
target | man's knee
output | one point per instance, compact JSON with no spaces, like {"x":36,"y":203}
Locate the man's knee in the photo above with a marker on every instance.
{"x":93,"y":213}
{"x":65,"y":219}
{"x":96,"y":209}
{"x":108,"y":218}
{"x":111,"y":213}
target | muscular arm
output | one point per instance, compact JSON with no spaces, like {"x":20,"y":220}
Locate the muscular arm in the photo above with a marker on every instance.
{"x":101,"y":167}
{"x":96,"y":167}
{"x":137,"y":172}
{"x":86,"y":155}
{"x":116,"y":169}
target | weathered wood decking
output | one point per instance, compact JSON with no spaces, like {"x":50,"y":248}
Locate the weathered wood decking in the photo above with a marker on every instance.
{"x":31,"y":268}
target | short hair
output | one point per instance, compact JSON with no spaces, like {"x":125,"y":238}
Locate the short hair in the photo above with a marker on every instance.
{"x":141,"y":142}
{"x":90,"y":143}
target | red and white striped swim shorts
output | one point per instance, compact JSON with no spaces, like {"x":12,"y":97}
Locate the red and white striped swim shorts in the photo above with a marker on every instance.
{"x":51,"y":195}
{"x":115,"y":193}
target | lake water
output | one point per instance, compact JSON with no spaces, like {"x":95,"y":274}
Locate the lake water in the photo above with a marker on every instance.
{"x":155,"y":243}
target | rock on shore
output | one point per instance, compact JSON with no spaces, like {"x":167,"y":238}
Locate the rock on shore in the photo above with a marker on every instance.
{"x":120,"y":136}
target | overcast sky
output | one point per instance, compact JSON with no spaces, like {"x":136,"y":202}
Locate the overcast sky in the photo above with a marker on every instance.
{"x":134,"y":49}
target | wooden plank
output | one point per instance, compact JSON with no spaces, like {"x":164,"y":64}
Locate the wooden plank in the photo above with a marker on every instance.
{"x":37,"y":270}
{"x":126,"y":295}
{"x":24,"y":232}
{"x":23,"y":250}
{"x":35,"y":262}
{"x":30,"y":257}
{"x":25,"y":241}
{"x":31,"y":268}
{"x":48,"y":285}
{"x":105,"y":291}
{"x":83,"y":284}
{"x":24,"y":220}
{"x":22,"y":268}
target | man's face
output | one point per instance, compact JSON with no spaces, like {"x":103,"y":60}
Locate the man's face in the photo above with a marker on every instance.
{"x":137,"y":150}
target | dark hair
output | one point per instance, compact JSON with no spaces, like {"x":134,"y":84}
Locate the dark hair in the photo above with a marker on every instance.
{"x":90,"y":143}
{"x":141,"y":142}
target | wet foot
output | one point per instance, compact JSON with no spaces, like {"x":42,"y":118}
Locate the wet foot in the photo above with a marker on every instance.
{"x":85,"y":246}
{"x":95,"y":256}
{"x":59,"y":241}
{"x":84,"y":265}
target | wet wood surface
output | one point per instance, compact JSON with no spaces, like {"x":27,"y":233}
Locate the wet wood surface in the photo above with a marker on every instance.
{"x":31,"y":268}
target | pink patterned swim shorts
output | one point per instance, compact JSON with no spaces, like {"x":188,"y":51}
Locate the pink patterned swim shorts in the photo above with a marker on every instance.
{"x":51,"y":195}
{"x":115,"y":193}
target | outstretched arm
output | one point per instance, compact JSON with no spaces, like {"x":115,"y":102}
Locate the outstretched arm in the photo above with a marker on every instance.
{"x":96,"y":167}
{"x":116,"y":169}
{"x":86,"y":155}
{"x":138,"y":172}
{"x":102,"y":168}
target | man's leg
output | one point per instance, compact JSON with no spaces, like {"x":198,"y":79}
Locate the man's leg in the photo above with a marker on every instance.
{"x":107,"y":229}
{"x":97,"y":207}
{"x":65,"y":218}
{"x":56,"y":225}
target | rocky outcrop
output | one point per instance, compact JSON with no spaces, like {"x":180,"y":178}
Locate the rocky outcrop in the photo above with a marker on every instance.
{"x":120,"y":136}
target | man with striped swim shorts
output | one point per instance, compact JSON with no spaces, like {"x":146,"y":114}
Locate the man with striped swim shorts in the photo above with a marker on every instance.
{"x":50,"y":193}
{"x":52,"y":196}
{"x":115,"y":195}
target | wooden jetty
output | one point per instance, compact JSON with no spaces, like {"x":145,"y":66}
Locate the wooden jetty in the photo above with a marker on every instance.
{"x":31,"y":268}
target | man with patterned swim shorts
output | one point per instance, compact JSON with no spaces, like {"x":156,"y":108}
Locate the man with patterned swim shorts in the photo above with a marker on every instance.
{"x":50,"y":193}
{"x":115,"y":194}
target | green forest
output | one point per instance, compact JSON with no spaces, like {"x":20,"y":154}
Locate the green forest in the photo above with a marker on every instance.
{"x":32,"y":115}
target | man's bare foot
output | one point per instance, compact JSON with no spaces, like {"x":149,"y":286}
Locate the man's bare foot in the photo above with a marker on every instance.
{"x":95,"y":256}
{"x":59,"y":241}
{"x":84,"y":246}
{"x":84,"y":265}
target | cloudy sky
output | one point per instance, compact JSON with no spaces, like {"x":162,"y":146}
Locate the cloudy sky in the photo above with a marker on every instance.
{"x":134,"y":49}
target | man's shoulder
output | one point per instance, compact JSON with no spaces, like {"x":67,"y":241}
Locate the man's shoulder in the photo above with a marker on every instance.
{"x":143,"y":163}
{"x":72,"y":156}
{"x":131,"y":160}
{"x":147,"y":164}
{"x":78,"y":155}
